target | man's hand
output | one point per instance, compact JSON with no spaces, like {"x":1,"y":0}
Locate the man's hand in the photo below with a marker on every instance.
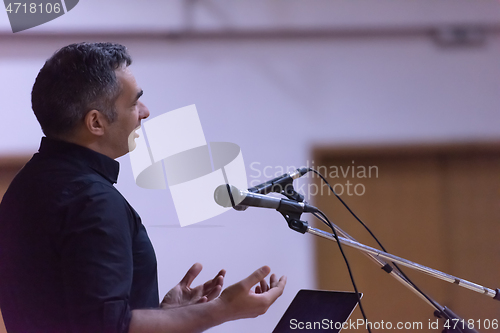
{"x":182,"y":294}
{"x":239,"y":301}
{"x":236,"y":302}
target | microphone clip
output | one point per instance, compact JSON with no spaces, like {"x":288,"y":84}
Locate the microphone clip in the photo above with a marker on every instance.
{"x":292,"y":217}
{"x":290,"y":193}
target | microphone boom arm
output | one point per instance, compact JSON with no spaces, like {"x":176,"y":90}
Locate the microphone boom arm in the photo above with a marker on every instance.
{"x":495,"y":294}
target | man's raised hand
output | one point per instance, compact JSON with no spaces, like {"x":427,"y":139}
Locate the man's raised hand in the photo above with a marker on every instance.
{"x":182,"y":294}
{"x":240,"y":301}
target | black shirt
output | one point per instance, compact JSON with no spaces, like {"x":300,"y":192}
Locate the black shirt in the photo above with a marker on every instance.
{"x":74,"y":255}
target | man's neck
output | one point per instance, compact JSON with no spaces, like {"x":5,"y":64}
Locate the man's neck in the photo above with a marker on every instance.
{"x":90,"y":143}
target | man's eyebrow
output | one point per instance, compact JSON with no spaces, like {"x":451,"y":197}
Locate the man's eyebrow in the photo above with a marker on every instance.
{"x":139,"y":94}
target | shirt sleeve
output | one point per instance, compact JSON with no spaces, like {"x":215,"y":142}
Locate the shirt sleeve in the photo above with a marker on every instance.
{"x":97,"y":260}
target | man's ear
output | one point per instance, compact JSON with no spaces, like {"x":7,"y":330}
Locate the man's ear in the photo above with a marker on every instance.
{"x":95,"y":123}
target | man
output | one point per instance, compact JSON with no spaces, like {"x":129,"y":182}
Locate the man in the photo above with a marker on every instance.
{"x":74,"y":255}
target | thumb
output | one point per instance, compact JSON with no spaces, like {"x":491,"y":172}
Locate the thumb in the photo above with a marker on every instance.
{"x":255,"y":277}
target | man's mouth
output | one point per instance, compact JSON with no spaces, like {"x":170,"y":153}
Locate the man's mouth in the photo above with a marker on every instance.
{"x":135,"y":131}
{"x":131,"y":138}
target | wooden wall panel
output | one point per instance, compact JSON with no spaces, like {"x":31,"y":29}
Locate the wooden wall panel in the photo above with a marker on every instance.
{"x":473,"y":227}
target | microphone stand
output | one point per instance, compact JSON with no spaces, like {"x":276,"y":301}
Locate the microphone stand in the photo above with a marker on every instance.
{"x":293,"y":219}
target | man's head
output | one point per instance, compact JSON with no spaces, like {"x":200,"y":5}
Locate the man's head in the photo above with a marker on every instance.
{"x":76,"y":94}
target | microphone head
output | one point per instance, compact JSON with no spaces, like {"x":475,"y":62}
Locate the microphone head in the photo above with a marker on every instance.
{"x":303,"y":171}
{"x":228,"y":195}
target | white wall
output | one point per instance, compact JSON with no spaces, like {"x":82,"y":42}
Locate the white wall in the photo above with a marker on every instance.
{"x":276,"y":98}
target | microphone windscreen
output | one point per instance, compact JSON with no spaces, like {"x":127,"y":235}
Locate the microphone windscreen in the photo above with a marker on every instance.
{"x":227,"y":195}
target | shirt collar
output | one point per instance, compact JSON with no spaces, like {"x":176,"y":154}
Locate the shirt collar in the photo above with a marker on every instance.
{"x":102,"y":164}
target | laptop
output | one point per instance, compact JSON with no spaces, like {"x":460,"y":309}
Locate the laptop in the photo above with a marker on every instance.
{"x":317,"y":311}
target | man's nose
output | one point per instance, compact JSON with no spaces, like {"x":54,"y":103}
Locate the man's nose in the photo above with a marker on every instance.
{"x":143,"y":110}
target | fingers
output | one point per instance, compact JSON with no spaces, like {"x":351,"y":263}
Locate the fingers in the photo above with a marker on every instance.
{"x":219,"y":278}
{"x":214,"y":293}
{"x":212,"y":288}
{"x":238,"y":301}
{"x":203,"y":299}
{"x":277,"y":290}
{"x":273,"y":281}
{"x":191,"y":274}
{"x":264,"y":286}
{"x":222,"y":273}
{"x":255,"y":277}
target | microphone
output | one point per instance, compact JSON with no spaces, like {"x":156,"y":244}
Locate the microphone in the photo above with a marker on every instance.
{"x":230,"y":196}
{"x":280,"y":183}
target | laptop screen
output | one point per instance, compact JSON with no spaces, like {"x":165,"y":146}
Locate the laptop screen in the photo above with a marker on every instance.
{"x":317,"y":311}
